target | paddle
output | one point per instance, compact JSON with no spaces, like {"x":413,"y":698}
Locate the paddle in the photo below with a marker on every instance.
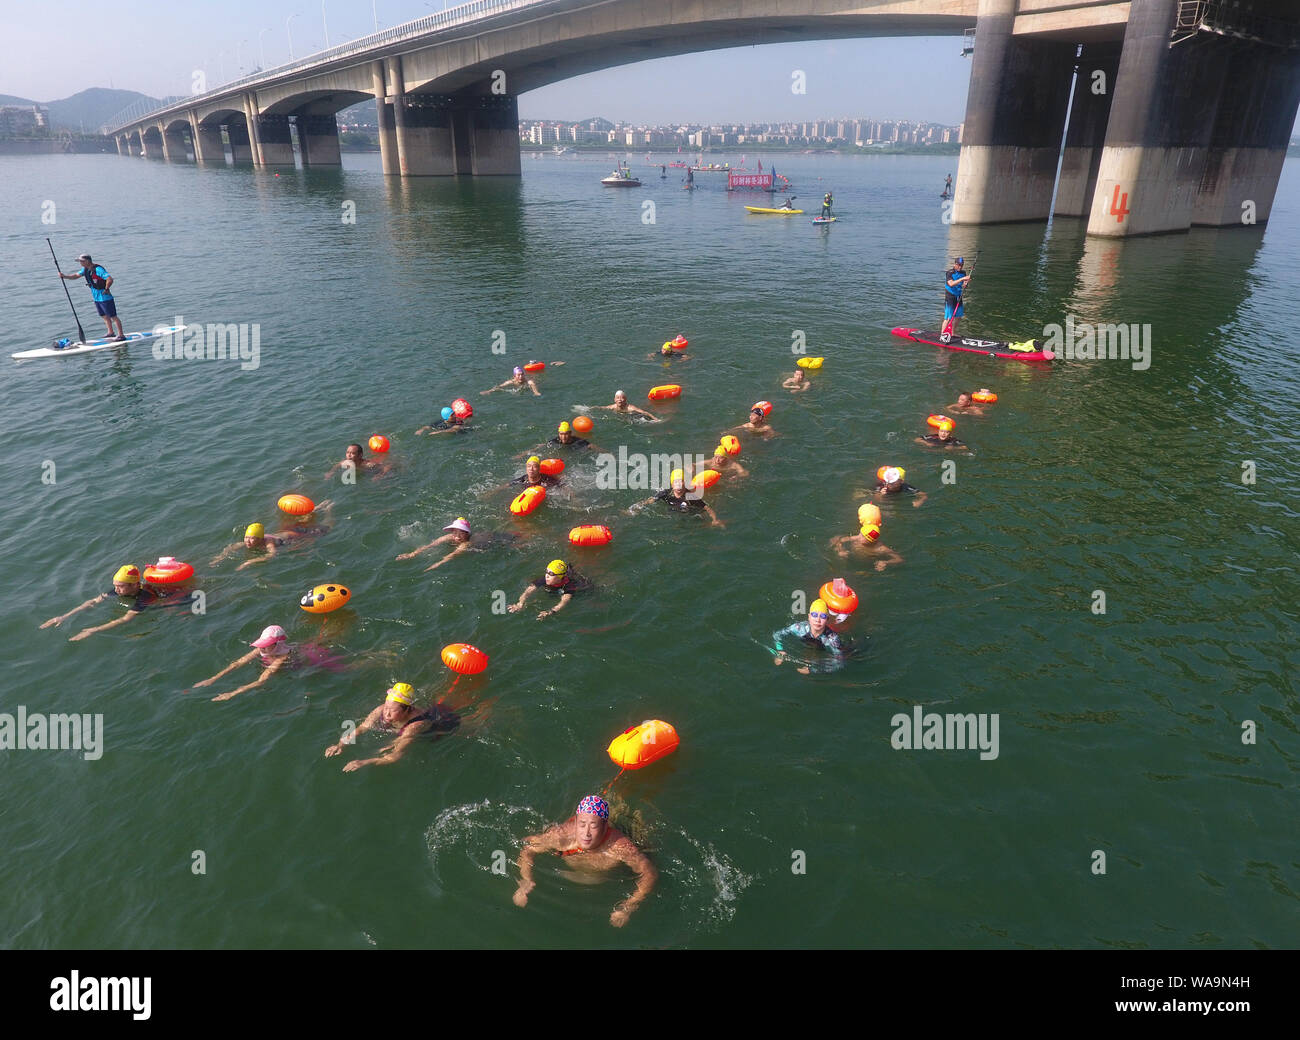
{"x":945,"y":333}
{"x":80,"y":331}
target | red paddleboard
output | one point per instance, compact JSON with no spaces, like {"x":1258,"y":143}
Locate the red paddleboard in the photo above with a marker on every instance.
{"x":988,"y":347}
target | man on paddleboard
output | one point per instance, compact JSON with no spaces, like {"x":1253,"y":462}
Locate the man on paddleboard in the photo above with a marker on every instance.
{"x":954,"y":284}
{"x":100,"y":282}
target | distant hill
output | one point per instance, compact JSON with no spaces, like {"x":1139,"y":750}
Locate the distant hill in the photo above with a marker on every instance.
{"x":90,"y":108}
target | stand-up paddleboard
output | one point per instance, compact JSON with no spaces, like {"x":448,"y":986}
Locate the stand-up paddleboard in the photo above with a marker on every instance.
{"x":97,"y":344}
{"x":825,"y":220}
{"x":1029,"y":350}
{"x":774,"y":212}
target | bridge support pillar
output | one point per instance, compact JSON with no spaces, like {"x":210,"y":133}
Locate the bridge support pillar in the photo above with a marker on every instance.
{"x":424,"y":136}
{"x":241,"y":148}
{"x":1015,"y":116}
{"x":1086,"y":137}
{"x":388,"y":159}
{"x":175,"y":147}
{"x":153,"y":145}
{"x":318,"y":138}
{"x":493,"y":130}
{"x":274,"y":141}
{"x":207,"y":142}
{"x":1248,"y":144}
{"x":1161,"y":121}
{"x":117,"y":140}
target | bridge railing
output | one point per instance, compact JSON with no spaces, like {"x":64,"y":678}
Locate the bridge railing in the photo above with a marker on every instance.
{"x":452,"y":17}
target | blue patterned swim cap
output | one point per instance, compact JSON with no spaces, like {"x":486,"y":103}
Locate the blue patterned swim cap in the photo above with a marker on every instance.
{"x":595,"y":806}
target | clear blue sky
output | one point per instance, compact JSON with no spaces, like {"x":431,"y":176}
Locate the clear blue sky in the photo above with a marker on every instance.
{"x":51,"y":49}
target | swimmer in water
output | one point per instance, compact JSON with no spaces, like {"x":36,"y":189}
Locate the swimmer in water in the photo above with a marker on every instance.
{"x":398,"y":715}
{"x":274,"y":650}
{"x":868,"y":540}
{"x":457,"y":534}
{"x":533,"y":475}
{"x":130,"y":593}
{"x":621,"y":406}
{"x":797,"y":383}
{"x":517,"y":381}
{"x":589,"y":844}
{"x":256,"y":538}
{"x":557,"y":581}
{"x":757,"y":424}
{"x":449,"y":423}
{"x":666,"y":353}
{"x":678,"y":498}
{"x":354,"y":459}
{"x":891,"y":482}
{"x":566,"y":438}
{"x":941,"y":438}
{"x":725,"y":464}
{"x":966,"y":403}
{"x":815,"y":632}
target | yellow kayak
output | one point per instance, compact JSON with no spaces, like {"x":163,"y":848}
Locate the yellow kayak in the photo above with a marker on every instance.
{"x":774,"y":212}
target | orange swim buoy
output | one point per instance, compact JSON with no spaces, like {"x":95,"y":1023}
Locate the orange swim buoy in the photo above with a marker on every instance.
{"x":168,"y":571}
{"x":582,"y":424}
{"x":941,"y":422}
{"x":665,"y":392}
{"x":552,"y":467}
{"x":845,"y":604}
{"x":464,"y":658}
{"x":984,"y":397}
{"x":379,"y":443}
{"x":679,"y":342}
{"x":534,"y":366}
{"x":705,"y":478}
{"x":527,"y":500}
{"x":638,"y":746}
{"x":730,"y":444}
{"x":591,"y":534}
{"x":324,"y":598}
{"x":763,"y":406}
{"x":296,"y":505}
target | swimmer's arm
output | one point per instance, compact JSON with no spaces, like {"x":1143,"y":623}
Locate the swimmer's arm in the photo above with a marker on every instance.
{"x":713,"y":516}
{"x":260,"y":558}
{"x":887,"y":557}
{"x":533,"y":844}
{"x":837,"y":543}
{"x":422,"y":549}
{"x":326,"y":511}
{"x":227,"y":551}
{"x":532,"y":385}
{"x":564,"y":598}
{"x":238,"y":662}
{"x":645,"y":883}
{"x":555,"y":364}
{"x":740,"y":470}
{"x":367,"y":723}
{"x":423,"y":430}
{"x":462,"y":547}
{"x":640,"y":505}
{"x":64,"y":617}
{"x":101,"y":628}
{"x":333,"y":469}
{"x":393,"y":752}
{"x":918,"y":498}
{"x":519,"y":605}
{"x":267,"y":672}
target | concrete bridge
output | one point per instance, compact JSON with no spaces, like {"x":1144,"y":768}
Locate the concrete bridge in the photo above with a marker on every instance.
{"x":1179,"y":114}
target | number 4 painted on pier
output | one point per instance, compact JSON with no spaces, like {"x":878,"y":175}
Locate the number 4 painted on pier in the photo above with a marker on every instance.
{"x":1119,"y":206}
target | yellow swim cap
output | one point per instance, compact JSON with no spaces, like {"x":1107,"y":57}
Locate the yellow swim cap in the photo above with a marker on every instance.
{"x":254,"y":531}
{"x":719,"y":452}
{"x":871,"y":532}
{"x":819,"y":607}
{"x":675,"y":476}
{"x":534,"y":458}
{"x":557,"y":567}
{"x":868,"y":513}
{"x":127,"y":572}
{"x":564,"y":427}
{"x":401,"y":692}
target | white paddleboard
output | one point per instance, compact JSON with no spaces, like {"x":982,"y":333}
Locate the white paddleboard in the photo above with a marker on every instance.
{"x":97,"y":344}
